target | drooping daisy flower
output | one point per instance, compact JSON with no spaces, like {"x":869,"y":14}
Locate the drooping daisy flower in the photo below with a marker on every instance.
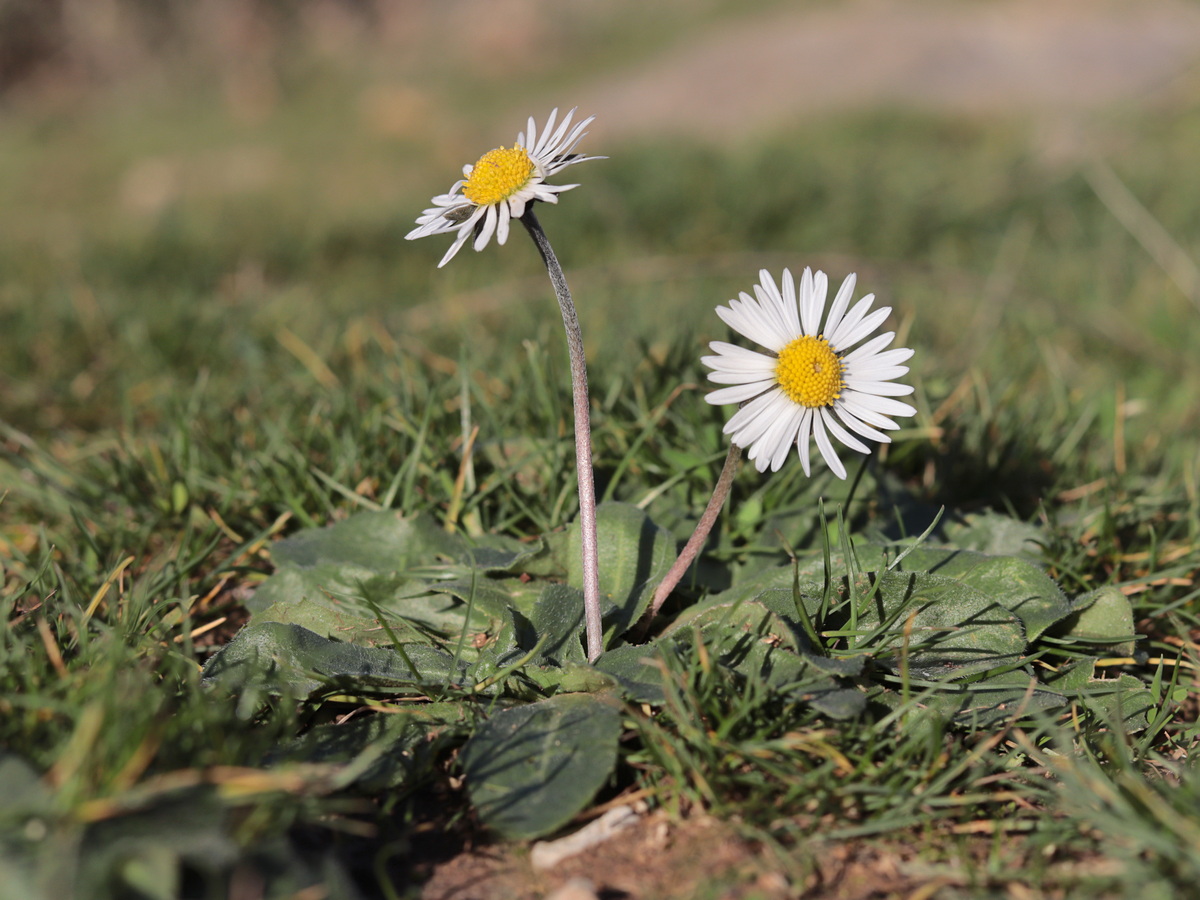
{"x":811,"y":384}
{"x":500,"y":185}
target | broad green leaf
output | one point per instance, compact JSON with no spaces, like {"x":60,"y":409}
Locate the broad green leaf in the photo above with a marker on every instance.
{"x":1103,"y":616}
{"x":638,"y":671}
{"x":531,"y":768}
{"x":1016,"y":584}
{"x":955,"y":629}
{"x":984,"y":704}
{"x":389,"y":542}
{"x":1125,"y":699}
{"x":373,"y":541}
{"x":410,"y":570}
{"x":757,"y":640}
{"x":635,"y":555}
{"x":291,"y":659}
{"x":993,"y":533}
{"x":335,"y":623}
{"x":795,"y":676}
{"x":557,"y":621}
{"x":569,"y":679}
{"x":22,"y":792}
{"x":383,"y":751}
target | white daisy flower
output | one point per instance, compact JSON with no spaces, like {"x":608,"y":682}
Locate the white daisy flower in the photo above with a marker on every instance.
{"x":811,"y":383}
{"x":500,"y":185}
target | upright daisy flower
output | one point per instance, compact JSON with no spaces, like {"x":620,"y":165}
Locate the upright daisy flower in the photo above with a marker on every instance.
{"x":811,"y":383}
{"x":502,"y":183}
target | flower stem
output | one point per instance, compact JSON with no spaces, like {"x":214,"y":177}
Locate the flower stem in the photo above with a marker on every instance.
{"x":700,"y":535}
{"x":583,"y":438}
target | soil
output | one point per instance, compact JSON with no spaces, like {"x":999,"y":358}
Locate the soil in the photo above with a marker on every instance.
{"x":655,"y":858}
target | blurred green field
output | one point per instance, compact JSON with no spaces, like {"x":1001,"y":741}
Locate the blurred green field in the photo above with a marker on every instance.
{"x":213,"y":333}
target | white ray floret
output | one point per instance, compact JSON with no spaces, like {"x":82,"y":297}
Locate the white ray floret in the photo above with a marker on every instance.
{"x":811,"y":384}
{"x":502,"y":183}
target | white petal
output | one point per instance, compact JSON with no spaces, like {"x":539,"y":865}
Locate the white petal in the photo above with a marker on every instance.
{"x":739,"y":359}
{"x":753,"y":420}
{"x":548,"y":193}
{"x":463,"y":234}
{"x":871,"y":347}
{"x":826,"y":447}
{"x":747,"y":320}
{"x":840,"y":302}
{"x":766,"y":447}
{"x":887,"y":358}
{"x":728,"y":375}
{"x":489,"y":226}
{"x":563,"y":147}
{"x":777,"y":443}
{"x":875,"y":373}
{"x":802,"y":433}
{"x":738,"y":393}
{"x":850,"y":321}
{"x":849,"y":403}
{"x":550,"y":146}
{"x":879,"y":388}
{"x":855,"y":424}
{"x":534,"y":142}
{"x":502,"y":216}
{"x":842,"y":434}
{"x":721,"y":375}
{"x":882,"y":405}
{"x":791,"y":307}
{"x":848,"y":338}
{"x":810,"y":304}
{"x":771,"y":304}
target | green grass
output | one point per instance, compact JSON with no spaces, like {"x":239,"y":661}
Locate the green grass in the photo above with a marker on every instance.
{"x":179,"y":387}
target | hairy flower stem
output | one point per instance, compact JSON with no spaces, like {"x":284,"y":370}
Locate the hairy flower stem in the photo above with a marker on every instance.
{"x":583,"y":438}
{"x":700,"y":535}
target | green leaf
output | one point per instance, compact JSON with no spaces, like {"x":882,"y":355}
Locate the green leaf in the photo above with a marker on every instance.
{"x":1125,"y":700}
{"x":638,"y":672}
{"x":797,"y":677}
{"x":335,"y":623}
{"x":557,"y":620}
{"x":383,"y":751}
{"x":1103,"y":616}
{"x":984,"y":704}
{"x":956,"y":630}
{"x":761,"y":639}
{"x":22,"y":792}
{"x":993,"y":533}
{"x":389,"y":542}
{"x":1016,"y":584}
{"x":293,"y":660}
{"x":635,"y":555}
{"x":409,"y":570}
{"x":531,"y":768}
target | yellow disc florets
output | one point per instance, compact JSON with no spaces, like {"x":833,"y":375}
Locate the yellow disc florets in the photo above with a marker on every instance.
{"x":809,"y":372}
{"x":498,"y":175}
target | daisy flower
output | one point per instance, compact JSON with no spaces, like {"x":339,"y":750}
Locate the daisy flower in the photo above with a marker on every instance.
{"x":810,"y":384}
{"x":500,"y":185}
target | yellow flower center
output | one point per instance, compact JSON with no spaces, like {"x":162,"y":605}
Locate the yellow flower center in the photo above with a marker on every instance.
{"x":498,"y":175}
{"x":809,"y":372}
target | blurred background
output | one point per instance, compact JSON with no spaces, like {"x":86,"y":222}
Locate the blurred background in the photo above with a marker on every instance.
{"x":223,"y":187}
